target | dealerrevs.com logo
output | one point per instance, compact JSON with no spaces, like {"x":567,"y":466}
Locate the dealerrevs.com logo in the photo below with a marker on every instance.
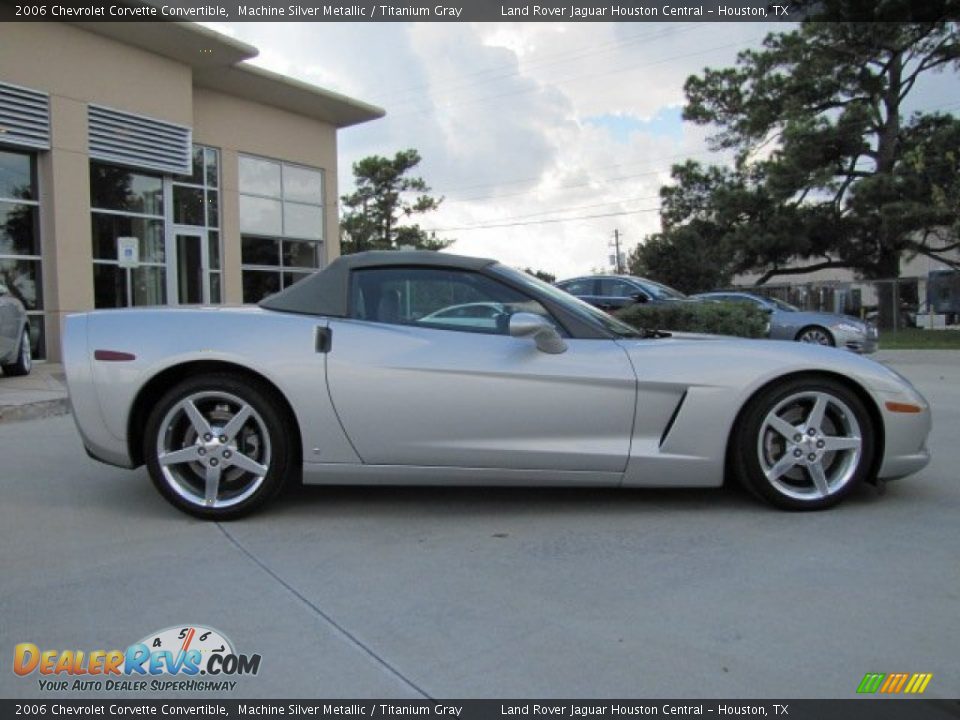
{"x":178,"y":658}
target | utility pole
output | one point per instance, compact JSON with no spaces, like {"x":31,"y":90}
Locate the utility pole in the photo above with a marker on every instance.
{"x":617,"y":263}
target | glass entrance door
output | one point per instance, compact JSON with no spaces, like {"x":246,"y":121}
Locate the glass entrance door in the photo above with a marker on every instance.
{"x":190,"y":277}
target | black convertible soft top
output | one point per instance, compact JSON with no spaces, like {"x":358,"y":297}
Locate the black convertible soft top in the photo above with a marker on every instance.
{"x":327,"y":292}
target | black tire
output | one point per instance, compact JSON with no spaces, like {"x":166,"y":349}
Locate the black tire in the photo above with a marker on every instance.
{"x":24,"y":362}
{"x":760,"y":451}
{"x":816,"y":331}
{"x":219,"y":397}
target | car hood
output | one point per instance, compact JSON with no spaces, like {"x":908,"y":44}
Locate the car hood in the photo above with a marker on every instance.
{"x":695,"y":359}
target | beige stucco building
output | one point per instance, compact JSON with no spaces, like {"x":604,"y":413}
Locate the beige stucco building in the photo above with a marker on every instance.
{"x":148,"y":164}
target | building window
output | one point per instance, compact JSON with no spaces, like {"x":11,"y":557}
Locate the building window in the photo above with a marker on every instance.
{"x":21,"y":262}
{"x":196,"y":202}
{"x":176,"y":221}
{"x":126,"y":203}
{"x":281,"y":224}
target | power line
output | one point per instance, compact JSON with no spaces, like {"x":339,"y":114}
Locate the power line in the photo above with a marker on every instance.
{"x":580,"y":207}
{"x":543,"y":222}
{"x":598,"y":181}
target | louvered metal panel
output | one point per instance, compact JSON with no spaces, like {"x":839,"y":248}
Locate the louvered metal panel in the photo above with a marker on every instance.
{"x":24,"y":117}
{"x":139,"y":142}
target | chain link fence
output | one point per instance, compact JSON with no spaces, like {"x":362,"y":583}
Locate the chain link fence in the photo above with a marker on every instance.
{"x":930,"y":302}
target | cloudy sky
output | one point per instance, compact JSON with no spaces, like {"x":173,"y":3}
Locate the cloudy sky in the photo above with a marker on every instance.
{"x":532,"y":128}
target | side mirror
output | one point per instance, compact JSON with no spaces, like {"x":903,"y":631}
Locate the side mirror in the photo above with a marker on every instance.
{"x":639,"y":297}
{"x":548,"y":340}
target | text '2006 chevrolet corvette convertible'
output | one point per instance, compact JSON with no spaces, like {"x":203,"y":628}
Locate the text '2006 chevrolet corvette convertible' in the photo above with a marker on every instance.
{"x":429,"y":368}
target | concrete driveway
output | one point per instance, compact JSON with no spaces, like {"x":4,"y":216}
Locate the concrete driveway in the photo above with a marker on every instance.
{"x":368,"y":592}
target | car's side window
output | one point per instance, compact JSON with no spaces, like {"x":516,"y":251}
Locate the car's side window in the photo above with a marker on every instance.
{"x":578,"y":287}
{"x":438,"y":298}
{"x":611,"y":287}
{"x":737,"y":299}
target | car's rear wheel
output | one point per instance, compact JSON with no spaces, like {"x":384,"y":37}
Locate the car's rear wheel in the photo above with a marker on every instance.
{"x":24,"y":362}
{"x":804,"y":444}
{"x":217,"y":446}
{"x":816,"y":335}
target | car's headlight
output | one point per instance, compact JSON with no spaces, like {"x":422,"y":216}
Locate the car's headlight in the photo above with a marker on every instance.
{"x":851,"y":328}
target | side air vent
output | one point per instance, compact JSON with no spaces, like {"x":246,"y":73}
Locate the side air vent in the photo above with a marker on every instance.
{"x":24,"y":117}
{"x":139,"y":142}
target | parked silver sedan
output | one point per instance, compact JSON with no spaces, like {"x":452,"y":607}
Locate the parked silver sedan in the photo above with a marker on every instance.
{"x":358,"y":374}
{"x":788,"y":322}
{"x":16,"y":357}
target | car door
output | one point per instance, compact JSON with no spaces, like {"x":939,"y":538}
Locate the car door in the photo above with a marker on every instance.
{"x":615,"y":293}
{"x":412,"y":390}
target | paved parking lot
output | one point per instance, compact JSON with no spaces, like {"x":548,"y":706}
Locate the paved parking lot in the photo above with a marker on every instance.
{"x":497,"y":593}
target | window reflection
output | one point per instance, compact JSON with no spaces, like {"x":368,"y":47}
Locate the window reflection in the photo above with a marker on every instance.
{"x":23,"y":280}
{"x":107,"y":228}
{"x":116,"y":188}
{"x":18,"y":229}
{"x":188,"y":205}
{"x":16,"y":176}
{"x":281,"y":221}
{"x":259,"y":177}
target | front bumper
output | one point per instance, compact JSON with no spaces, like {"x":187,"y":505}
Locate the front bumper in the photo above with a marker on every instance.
{"x":864,"y":343}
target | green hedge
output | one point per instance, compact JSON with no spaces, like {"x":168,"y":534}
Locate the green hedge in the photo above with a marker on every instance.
{"x":703,"y":317}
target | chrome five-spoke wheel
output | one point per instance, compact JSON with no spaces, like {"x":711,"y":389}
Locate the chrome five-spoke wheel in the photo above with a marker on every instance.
{"x":804,"y":444}
{"x":213,"y":449}
{"x":216,"y":446}
{"x":809,"y":445}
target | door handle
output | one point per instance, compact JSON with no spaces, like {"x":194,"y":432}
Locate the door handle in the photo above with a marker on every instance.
{"x":324,"y":339}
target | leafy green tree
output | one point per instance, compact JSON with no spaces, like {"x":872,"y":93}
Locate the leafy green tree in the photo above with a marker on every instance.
{"x":541,"y":274}
{"x":688,"y":259}
{"x":828,"y":173}
{"x":374,"y":211}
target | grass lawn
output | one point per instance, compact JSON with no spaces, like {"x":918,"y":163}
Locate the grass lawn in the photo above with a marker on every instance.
{"x":916,"y":339}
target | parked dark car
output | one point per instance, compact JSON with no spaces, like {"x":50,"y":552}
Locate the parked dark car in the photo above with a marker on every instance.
{"x":612,"y":292}
{"x":16,"y":357}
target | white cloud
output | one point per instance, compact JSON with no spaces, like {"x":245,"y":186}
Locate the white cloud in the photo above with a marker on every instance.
{"x":505,"y":117}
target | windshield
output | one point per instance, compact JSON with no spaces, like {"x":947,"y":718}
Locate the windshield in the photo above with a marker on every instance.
{"x":570,"y":303}
{"x":661,"y":292}
{"x":781,"y":305}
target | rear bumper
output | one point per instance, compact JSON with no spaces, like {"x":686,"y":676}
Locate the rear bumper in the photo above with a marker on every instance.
{"x":98,"y":441}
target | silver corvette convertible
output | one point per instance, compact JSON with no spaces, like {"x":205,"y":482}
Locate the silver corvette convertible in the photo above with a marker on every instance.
{"x":358,"y":375}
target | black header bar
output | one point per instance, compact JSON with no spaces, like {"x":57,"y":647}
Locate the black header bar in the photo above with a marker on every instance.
{"x":468,"y":10}
{"x":860,"y":709}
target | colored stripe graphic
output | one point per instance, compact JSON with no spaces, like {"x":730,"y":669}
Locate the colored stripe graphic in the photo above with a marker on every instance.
{"x":918,"y":683}
{"x":871,"y":682}
{"x":894,"y":683}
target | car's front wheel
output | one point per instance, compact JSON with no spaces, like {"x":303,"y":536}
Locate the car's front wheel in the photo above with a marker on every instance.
{"x":217,"y":446}
{"x":24,"y":362}
{"x":816,"y":335}
{"x":804,"y":444}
